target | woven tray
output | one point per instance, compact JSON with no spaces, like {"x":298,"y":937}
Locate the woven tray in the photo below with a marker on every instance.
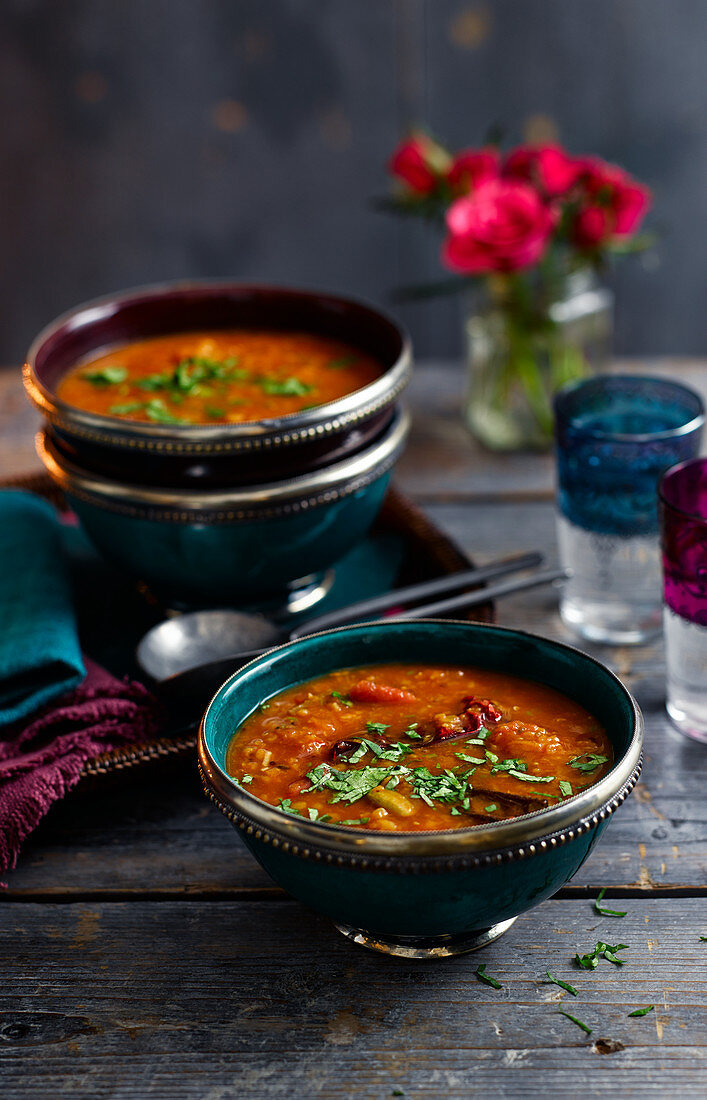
{"x":427,"y":553}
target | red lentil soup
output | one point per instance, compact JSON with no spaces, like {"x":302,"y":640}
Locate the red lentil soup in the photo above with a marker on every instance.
{"x":403,"y":748}
{"x":227,"y":377}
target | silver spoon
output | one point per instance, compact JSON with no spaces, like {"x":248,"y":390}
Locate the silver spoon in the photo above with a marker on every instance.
{"x":199,"y":637}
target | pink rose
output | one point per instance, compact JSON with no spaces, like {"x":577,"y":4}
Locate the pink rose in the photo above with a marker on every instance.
{"x":547,"y":166}
{"x":611,"y":204}
{"x":421,"y":163}
{"x":472,"y":167}
{"x":502,"y":226}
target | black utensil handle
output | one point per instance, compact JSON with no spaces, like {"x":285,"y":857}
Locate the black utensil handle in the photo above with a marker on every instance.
{"x":493,"y":592}
{"x":424,"y":589}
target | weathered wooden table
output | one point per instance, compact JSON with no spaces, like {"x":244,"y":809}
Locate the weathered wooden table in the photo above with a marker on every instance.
{"x":145,"y":954}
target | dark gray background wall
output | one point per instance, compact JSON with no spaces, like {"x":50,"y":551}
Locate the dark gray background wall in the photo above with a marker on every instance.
{"x":144,"y":140}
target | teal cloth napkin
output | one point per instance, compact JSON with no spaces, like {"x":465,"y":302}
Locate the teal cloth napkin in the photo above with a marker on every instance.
{"x":40,"y":656}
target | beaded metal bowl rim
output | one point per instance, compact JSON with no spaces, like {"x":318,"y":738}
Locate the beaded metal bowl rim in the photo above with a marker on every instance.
{"x":273,"y":824}
{"x":600,"y":436}
{"x":293,"y":428}
{"x":695,"y":517}
{"x":321,"y":486}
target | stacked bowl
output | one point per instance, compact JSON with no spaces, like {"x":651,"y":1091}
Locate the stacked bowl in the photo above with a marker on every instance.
{"x":212,"y":513}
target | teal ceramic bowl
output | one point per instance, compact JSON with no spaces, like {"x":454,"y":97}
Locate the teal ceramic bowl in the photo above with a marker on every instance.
{"x":425,"y":894}
{"x":249,"y":546}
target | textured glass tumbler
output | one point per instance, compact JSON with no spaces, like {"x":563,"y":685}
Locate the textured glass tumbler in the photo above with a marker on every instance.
{"x":615,"y":436}
{"x":683,"y":525}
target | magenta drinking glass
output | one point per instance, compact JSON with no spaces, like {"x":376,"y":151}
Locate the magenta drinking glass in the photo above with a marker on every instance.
{"x":683,"y":522}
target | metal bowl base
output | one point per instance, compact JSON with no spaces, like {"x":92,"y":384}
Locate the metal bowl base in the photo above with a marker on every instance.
{"x":427,"y":947}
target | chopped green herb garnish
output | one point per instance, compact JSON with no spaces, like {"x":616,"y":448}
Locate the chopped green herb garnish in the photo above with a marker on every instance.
{"x":575,"y":1021}
{"x":342,"y":361}
{"x":483,"y":732}
{"x":348,"y":786}
{"x":491,"y":757}
{"x":286,"y":805}
{"x":490,"y":809}
{"x":158,"y":411}
{"x":530,"y":778}
{"x":642,"y":1011}
{"x":284,"y":387}
{"x":486,"y":978}
{"x":377,"y":728}
{"x":264,"y":706}
{"x":601,"y":951}
{"x":246,"y":779}
{"x":314,"y":815}
{"x":607,"y":912}
{"x":214,"y":412}
{"x":127,"y":407}
{"x":470,"y":759}
{"x":455,"y":812}
{"x":105,"y":376}
{"x":342,"y":698}
{"x":588,"y":761}
{"x":474,"y":741}
{"x":565,"y":788}
{"x":562,"y":985}
{"x":511,"y":764}
{"x":356,"y":821}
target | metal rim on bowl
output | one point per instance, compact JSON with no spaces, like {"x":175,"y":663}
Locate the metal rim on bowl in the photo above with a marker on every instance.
{"x":277,"y":498}
{"x":194,"y":439}
{"x":480,"y":845}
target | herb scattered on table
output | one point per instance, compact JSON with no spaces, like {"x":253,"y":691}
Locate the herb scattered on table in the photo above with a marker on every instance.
{"x":599,"y":908}
{"x":601,"y":951}
{"x":642,"y":1011}
{"x":562,"y":985}
{"x":574,"y":1020}
{"x":486,"y":978}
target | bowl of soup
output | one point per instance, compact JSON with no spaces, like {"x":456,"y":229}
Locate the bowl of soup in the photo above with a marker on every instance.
{"x":217,"y":383}
{"x":254,"y":545}
{"x":421,"y":783}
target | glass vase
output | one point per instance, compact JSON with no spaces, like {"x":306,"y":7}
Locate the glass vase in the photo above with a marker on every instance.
{"x":519,"y":357}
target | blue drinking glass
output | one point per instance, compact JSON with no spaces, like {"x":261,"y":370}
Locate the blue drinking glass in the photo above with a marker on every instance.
{"x":615,"y":436}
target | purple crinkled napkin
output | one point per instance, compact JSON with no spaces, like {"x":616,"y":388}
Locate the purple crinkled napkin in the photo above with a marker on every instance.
{"x":41,"y":761}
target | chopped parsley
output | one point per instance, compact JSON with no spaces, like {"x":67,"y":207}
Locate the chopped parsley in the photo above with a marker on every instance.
{"x":348,"y":786}
{"x":342,"y":698}
{"x":286,"y":805}
{"x":565,"y":788}
{"x":411,"y":732}
{"x":601,"y":951}
{"x":470,"y":759}
{"x":599,"y":908}
{"x":214,"y":412}
{"x":511,"y":764}
{"x":490,"y":809}
{"x":530,"y":778}
{"x":105,"y":376}
{"x":246,"y":779}
{"x":588,"y":761}
{"x":574,"y":1020}
{"x":314,"y":815}
{"x":284,"y":387}
{"x":157,"y":410}
{"x":356,"y":821}
{"x":486,"y":978}
{"x":342,"y":361}
{"x":377,"y":728}
{"x":562,"y":985}
{"x":126,"y":408}
{"x":642,"y":1011}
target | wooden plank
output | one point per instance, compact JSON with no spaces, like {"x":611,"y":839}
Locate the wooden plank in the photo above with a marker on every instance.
{"x":252,"y":999}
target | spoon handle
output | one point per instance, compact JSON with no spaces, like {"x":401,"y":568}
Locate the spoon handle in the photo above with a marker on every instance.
{"x":440,"y":585}
{"x":493,"y":592}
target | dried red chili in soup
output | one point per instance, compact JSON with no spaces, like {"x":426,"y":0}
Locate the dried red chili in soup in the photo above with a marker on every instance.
{"x":403,"y":748}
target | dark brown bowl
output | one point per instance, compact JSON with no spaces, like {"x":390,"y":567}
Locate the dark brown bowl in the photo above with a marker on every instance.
{"x":217,"y":454}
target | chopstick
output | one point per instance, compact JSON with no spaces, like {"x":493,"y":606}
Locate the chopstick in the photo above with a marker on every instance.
{"x":423,"y":590}
{"x":494,"y":591}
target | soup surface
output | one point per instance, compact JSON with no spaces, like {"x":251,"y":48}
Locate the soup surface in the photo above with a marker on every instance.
{"x":217,"y":377}
{"x":415,"y":747}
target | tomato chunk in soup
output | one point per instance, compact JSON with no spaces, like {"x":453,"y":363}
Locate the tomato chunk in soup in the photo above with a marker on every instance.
{"x":403,"y":748}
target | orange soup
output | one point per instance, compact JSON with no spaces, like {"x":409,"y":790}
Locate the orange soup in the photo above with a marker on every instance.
{"x":224,"y":377}
{"x":402,"y":748}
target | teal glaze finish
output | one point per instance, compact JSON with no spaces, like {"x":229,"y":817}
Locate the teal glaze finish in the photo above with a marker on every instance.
{"x":238,"y":560}
{"x":425,"y":904}
{"x":424,"y":884}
